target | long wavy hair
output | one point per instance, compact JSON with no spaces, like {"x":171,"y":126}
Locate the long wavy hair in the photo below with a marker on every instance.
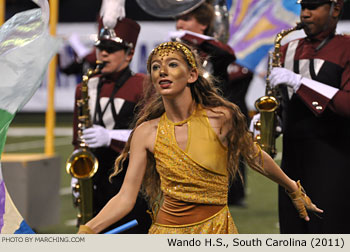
{"x":240,"y":140}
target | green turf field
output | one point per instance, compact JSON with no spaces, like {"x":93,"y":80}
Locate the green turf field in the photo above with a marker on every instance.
{"x":258,"y":217}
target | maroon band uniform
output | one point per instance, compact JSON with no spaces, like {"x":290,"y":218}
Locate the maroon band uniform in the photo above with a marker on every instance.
{"x":316,"y":134}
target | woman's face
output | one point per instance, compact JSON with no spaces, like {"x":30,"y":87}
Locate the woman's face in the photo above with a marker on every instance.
{"x":170,"y":74}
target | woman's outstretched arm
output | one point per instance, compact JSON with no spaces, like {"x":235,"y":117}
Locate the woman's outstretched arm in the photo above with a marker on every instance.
{"x":122,"y":203}
{"x":294,"y":189}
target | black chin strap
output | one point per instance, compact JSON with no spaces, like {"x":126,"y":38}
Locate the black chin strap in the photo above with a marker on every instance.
{"x":326,"y":40}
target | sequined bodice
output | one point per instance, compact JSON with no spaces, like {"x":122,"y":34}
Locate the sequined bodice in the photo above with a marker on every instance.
{"x":197,"y":174}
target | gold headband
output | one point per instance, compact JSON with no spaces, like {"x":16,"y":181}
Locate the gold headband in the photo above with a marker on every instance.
{"x":169,"y":47}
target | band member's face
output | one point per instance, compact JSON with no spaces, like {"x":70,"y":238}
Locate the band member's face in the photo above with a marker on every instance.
{"x":315,"y":18}
{"x":189,"y":23}
{"x":116,"y":60}
{"x":170,"y":74}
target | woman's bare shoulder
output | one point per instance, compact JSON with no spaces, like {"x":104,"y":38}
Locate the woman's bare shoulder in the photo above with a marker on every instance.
{"x":146,"y":133}
{"x":219,"y":112}
{"x":148,"y":126}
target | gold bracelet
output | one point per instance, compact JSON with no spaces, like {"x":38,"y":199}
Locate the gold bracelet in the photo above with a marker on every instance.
{"x":83,"y":229}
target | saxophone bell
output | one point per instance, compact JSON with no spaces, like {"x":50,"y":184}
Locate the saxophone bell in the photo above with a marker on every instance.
{"x":82,"y":164}
{"x":267,"y":106}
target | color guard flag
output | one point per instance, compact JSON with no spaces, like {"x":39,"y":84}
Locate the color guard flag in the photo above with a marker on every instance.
{"x":26,"y":49}
{"x":254,"y":25}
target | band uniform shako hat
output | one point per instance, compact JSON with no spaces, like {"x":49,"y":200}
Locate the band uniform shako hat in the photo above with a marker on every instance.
{"x":124,"y":33}
{"x":320,"y":2}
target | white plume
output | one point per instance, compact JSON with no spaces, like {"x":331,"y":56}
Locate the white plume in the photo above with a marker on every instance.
{"x":111,"y":11}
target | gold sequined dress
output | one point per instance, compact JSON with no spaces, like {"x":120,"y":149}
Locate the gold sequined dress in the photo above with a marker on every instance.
{"x":194,"y":181}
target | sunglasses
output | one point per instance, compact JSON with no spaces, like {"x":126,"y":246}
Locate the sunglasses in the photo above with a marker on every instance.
{"x":109,"y":46}
{"x":312,"y":6}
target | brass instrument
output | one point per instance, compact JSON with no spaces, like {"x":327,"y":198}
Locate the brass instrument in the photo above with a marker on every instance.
{"x":168,"y":8}
{"x":175,"y":8}
{"x":267,"y":105}
{"x":82,"y":164}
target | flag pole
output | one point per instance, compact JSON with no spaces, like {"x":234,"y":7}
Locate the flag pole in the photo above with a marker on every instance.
{"x":2,"y":11}
{"x":50,"y":118}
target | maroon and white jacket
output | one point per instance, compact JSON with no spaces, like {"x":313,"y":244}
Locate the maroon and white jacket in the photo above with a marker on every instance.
{"x":117,"y":115}
{"x":330,"y":66}
{"x":321,"y":105}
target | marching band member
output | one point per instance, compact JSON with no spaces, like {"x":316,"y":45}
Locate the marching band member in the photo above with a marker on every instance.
{"x":316,"y":118}
{"x":113,"y":96}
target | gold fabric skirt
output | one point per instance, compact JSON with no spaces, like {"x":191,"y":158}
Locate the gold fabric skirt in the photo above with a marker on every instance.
{"x":219,"y":223}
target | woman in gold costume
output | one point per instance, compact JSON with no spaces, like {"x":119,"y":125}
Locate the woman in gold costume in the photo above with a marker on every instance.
{"x":184,"y":150}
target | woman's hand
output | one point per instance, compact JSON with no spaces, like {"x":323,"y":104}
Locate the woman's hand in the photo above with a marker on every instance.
{"x":302,"y":202}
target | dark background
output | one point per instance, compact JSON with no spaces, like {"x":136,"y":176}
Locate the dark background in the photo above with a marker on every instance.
{"x":87,"y":10}
{"x":79,"y":10}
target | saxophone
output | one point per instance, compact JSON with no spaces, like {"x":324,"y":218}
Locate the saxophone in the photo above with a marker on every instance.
{"x":268,"y":104}
{"x":82,"y":163}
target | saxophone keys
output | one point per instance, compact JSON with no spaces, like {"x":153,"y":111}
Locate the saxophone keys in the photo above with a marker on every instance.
{"x":257,"y":125}
{"x":257,"y":138}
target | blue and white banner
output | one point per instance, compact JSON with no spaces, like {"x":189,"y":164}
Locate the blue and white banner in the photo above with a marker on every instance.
{"x":254,"y":25}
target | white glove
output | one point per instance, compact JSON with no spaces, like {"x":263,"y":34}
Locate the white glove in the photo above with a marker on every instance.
{"x":252,"y":125}
{"x":280,"y":75}
{"x":257,"y":118}
{"x":120,"y":134}
{"x":79,"y":48}
{"x":97,"y":136}
{"x":73,"y":183}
